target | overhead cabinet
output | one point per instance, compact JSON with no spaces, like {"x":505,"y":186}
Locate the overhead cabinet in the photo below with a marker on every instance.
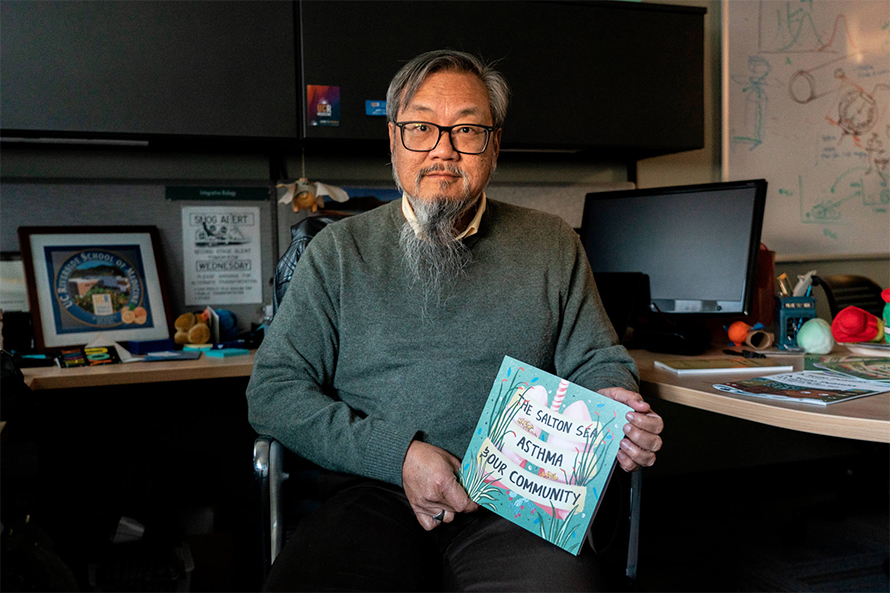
{"x":161,"y":71}
{"x":620,"y":78}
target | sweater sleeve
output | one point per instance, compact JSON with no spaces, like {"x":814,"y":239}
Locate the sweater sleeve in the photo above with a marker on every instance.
{"x":587,"y":350}
{"x":290,"y":394}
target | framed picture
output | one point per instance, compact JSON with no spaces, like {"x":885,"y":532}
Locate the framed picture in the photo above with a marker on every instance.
{"x":86,"y":281}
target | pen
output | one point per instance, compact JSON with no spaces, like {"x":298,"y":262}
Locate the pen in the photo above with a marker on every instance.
{"x":745,"y":353}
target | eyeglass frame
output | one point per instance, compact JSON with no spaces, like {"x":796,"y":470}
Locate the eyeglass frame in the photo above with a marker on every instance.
{"x":401,"y":125}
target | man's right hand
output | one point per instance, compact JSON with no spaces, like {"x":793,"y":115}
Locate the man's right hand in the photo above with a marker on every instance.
{"x":429,"y":477}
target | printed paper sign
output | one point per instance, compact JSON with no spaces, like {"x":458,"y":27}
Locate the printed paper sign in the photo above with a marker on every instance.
{"x":221,"y":255}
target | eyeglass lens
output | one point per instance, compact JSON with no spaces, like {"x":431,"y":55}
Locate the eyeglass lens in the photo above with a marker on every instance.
{"x":467,"y":138}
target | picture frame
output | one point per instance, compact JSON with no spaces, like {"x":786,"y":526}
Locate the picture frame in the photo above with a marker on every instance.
{"x":90,"y":280}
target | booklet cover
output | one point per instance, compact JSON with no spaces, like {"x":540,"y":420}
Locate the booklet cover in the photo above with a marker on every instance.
{"x":543,"y":452}
{"x":809,"y":387}
{"x":869,"y":369}
{"x":700,"y":366}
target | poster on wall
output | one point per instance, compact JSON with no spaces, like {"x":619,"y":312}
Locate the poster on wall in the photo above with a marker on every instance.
{"x":807,"y":107}
{"x":221,"y":255}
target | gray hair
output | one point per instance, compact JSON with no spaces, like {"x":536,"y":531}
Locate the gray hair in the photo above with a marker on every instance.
{"x":408,"y":79}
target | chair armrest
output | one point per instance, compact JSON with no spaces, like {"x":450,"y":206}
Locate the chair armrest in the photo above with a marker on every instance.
{"x":269,"y":477}
{"x":633,"y":544}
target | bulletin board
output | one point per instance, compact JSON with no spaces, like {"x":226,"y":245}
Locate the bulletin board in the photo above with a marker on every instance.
{"x":806,"y":95}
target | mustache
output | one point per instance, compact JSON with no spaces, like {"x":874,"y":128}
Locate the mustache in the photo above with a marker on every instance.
{"x":440,"y":168}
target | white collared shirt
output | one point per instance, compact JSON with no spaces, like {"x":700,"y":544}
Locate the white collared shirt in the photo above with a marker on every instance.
{"x":472,"y":228}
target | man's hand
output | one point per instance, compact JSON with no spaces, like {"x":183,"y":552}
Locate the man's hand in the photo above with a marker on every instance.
{"x":641,"y":441}
{"x":429,"y":477}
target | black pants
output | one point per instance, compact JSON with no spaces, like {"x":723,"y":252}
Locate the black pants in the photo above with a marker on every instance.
{"x":366,"y":538}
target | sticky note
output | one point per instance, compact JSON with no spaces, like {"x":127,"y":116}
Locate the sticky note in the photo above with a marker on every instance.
{"x":226,"y":352}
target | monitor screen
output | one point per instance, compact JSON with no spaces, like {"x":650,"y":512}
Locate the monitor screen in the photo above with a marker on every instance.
{"x":698,"y":244}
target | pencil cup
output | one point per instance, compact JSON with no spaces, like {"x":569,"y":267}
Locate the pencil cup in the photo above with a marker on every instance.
{"x":791,"y":314}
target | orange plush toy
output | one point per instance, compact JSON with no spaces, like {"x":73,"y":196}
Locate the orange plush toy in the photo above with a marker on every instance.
{"x":853,"y":324}
{"x":737,"y":332}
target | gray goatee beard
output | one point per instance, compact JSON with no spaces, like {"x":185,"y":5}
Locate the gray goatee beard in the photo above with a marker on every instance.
{"x":432,"y":257}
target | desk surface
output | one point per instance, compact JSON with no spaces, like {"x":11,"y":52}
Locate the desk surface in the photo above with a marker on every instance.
{"x":866,"y":418}
{"x":139,"y":372}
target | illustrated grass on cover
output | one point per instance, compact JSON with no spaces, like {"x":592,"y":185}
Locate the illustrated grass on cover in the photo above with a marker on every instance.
{"x":543,"y":452}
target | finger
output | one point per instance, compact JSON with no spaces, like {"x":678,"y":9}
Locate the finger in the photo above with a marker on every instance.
{"x":650,"y":422}
{"x":459,"y":500}
{"x":426,"y":521}
{"x":448,"y":517}
{"x":643,"y":439}
{"x":629,"y":398}
{"x":433,"y":508}
{"x":455,"y":498}
{"x":626,"y":463}
{"x":643,"y":457}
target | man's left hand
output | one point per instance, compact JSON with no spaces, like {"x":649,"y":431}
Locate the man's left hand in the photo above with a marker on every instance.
{"x":429,"y":478}
{"x":641,"y":441}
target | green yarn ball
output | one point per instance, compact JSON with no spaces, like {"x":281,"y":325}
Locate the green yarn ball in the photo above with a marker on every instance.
{"x":815,"y":337}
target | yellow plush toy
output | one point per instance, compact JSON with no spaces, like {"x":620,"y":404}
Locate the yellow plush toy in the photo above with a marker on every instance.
{"x":191,"y":329}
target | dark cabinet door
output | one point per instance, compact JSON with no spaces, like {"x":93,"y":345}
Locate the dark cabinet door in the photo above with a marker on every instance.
{"x":619,"y":78}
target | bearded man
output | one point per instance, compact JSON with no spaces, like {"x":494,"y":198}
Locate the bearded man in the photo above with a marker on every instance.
{"x":383,"y":352}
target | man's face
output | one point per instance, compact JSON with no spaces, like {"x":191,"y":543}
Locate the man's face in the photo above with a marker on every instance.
{"x":446,"y":99}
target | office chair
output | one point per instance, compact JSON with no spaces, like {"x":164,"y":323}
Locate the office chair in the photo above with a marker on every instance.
{"x":844,"y":290}
{"x":269,"y":455}
{"x":300,"y":235}
{"x":270,"y":475}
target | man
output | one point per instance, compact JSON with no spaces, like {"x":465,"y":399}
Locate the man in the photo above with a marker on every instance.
{"x":382,"y":354}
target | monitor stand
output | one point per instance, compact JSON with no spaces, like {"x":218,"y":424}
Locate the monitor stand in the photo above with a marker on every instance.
{"x":673,"y":336}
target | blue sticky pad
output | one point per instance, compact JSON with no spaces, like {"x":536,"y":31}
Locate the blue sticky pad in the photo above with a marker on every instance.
{"x":226,"y":352}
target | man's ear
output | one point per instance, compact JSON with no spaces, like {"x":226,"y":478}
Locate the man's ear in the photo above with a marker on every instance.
{"x":392,"y":137}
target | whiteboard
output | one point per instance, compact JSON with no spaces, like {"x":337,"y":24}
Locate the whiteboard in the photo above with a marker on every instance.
{"x":806,"y":95}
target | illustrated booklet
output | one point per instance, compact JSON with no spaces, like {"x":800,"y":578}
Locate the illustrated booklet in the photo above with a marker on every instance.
{"x":703,"y":366}
{"x":543,"y":452}
{"x":867,"y":369}
{"x":808,"y":387}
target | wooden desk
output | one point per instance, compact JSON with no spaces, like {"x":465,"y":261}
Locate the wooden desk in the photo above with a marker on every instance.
{"x":139,"y":372}
{"x":866,"y":418}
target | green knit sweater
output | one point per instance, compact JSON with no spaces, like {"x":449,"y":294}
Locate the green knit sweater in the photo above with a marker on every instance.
{"x":351,"y":369}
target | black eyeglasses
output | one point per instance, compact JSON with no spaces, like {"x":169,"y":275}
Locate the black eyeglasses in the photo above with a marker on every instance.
{"x":423,"y":136}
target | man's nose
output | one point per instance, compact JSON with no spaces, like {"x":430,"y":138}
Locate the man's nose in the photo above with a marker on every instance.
{"x":444,"y":148}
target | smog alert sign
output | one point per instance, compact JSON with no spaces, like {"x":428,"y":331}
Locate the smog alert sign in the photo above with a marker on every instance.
{"x":221,"y":250}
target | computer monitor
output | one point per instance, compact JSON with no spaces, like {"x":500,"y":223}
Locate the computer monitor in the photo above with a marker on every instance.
{"x":697,"y":243}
